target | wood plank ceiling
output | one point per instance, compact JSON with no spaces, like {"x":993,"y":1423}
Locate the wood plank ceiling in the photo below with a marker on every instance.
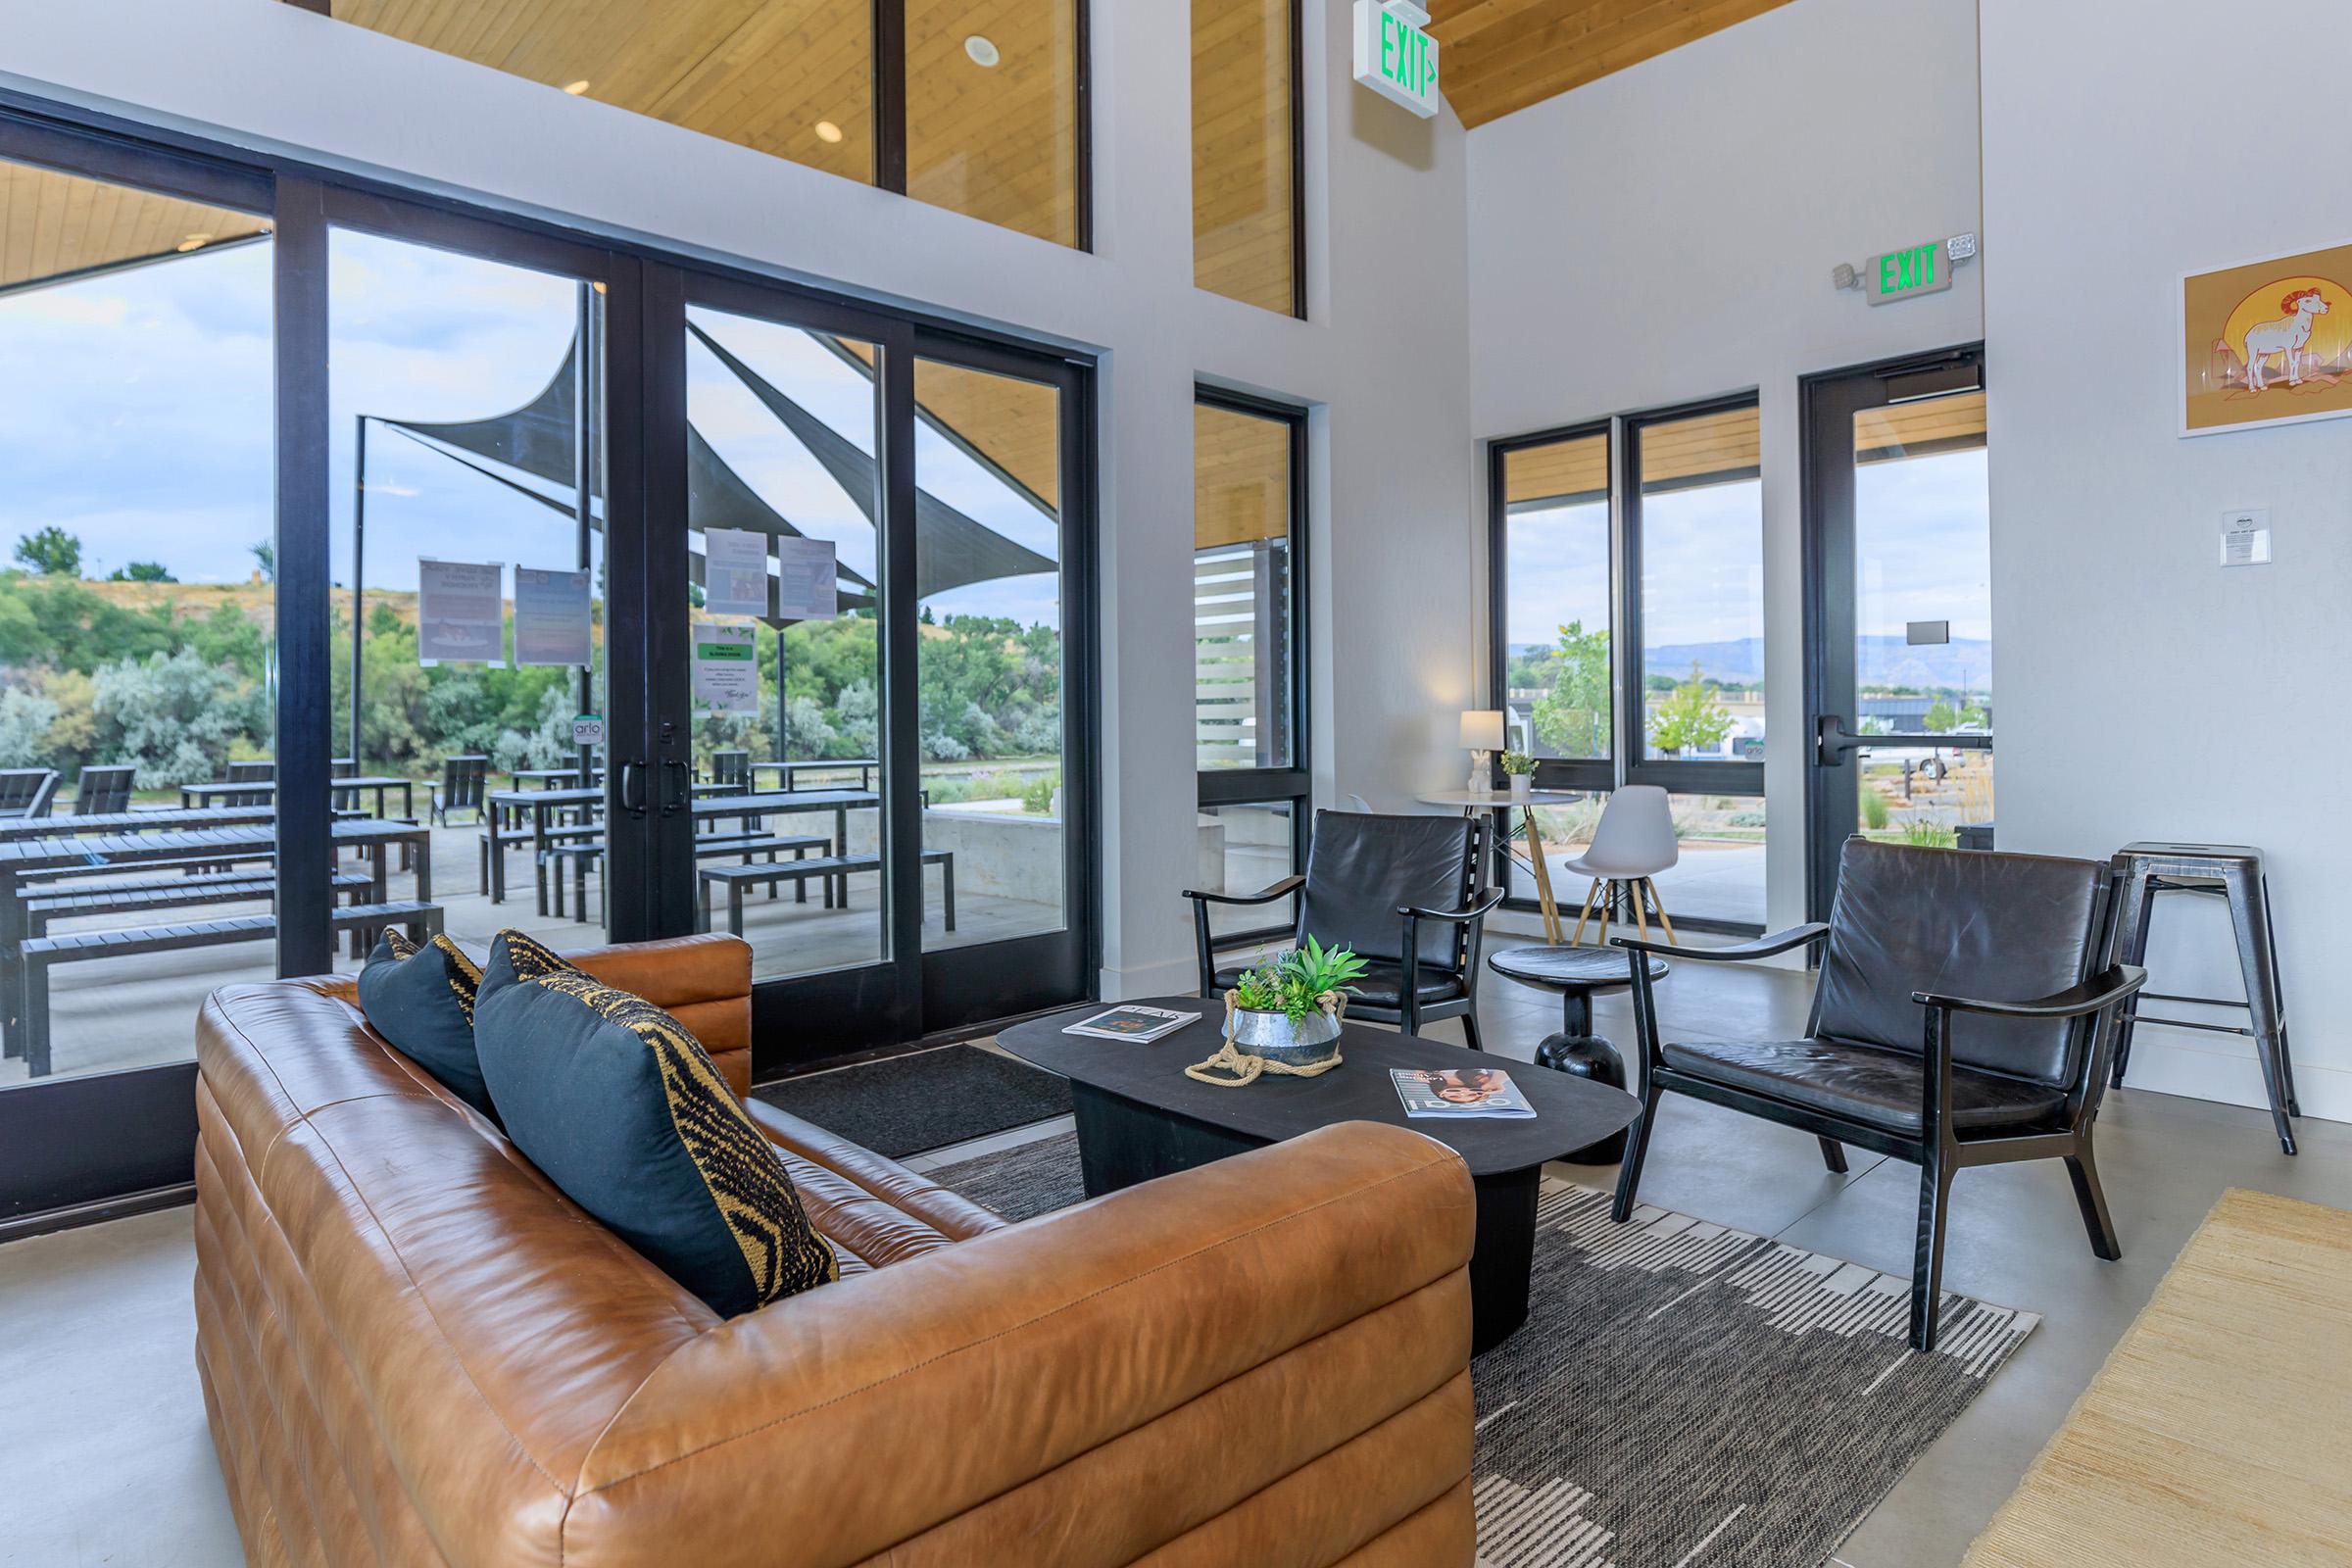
{"x":1500,"y":56}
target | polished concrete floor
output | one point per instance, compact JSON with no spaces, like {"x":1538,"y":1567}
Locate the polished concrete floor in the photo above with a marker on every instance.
{"x":109,"y":1462}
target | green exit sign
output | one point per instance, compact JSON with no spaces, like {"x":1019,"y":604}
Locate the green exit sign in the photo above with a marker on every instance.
{"x":1395,"y":57}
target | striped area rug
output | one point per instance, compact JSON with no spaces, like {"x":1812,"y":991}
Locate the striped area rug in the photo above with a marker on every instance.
{"x":1683,"y":1396}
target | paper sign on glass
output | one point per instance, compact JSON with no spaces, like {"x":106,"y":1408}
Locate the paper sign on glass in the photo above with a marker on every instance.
{"x":734,"y":572}
{"x":808,"y":580}
{"x":726,"y":669}
{"x":552,"y":620}
{"x":461,"y":614}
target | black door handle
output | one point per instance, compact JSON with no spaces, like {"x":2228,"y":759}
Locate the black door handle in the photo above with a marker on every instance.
{"x":672,"y":803}
{"x":630,"y":790}
{"x":1830,"y":742}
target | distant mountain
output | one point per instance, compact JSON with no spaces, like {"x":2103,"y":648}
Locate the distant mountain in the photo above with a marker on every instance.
{"x":1963,"y":664}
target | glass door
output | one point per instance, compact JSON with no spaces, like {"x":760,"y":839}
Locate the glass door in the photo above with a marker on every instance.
{"x":136,"y":651}
{"x":1899,"y":609}
{"x":860,"y":740}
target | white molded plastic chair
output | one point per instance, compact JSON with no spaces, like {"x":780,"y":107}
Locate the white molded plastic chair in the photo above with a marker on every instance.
{"x":1356,"y":803}
{"x":1633,"y":843}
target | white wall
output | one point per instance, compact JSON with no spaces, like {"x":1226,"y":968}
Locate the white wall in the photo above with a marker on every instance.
{"x":1381,"y":356}
{"x":2168,"y":698}
{"x":1667,"y":233}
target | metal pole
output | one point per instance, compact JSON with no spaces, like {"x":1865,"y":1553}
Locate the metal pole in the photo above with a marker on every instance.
{"x":584,"y":480}
{"x":359,"y":576}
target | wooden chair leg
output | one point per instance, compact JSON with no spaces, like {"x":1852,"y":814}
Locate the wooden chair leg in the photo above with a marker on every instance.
{"x":2084,"y":1174}
{"x":1608,"y":905}
{"x":1659,"y":905}
{"x":1584,"y":914}
{"x":1641,"y":909}
{"x":1637,"y":1147}
{"x":1927,"y":1256}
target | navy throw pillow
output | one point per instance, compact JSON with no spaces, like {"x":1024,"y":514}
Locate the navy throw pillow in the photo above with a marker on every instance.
{"x":625,"y":1111}
{"x":421,"y":1000}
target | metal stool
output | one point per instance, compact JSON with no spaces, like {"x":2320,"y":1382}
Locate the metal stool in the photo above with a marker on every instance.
{"x":2232,"y":871}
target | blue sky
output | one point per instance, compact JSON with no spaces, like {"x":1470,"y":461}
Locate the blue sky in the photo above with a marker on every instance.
{"x":1922,"y":549}
{"x":138,"y":411}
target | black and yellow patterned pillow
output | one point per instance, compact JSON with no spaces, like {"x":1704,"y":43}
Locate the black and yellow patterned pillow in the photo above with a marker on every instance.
{"x":421,"y":1000}
{"x":622,"y":1108}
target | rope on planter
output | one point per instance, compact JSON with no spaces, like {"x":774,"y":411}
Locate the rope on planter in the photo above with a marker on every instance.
{"x":1244,"y":1068}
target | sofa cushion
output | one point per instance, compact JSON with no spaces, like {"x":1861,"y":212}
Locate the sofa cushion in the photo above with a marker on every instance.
{"x":421,"y":1000}
{"x":622,"y":1108}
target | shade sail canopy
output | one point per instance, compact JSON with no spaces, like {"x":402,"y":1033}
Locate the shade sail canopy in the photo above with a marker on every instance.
{"x":951,"y":548}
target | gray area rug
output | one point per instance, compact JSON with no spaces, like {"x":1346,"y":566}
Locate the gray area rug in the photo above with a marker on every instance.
{"x":903,"y":1105}
{"x":1683,"y":1395}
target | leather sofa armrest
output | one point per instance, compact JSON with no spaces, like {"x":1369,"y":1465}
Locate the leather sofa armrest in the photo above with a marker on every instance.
{"x":1180,"y":1345}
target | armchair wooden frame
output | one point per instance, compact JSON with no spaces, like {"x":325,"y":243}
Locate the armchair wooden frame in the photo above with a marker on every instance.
{"x":1940,"y":1150}
{"x":1469,"y":939}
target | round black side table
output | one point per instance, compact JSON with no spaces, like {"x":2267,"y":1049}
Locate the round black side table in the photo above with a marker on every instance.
{"x":1578,"y":974}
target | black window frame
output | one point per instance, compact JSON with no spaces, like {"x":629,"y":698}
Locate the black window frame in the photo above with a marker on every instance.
{"x":1293,"y":785}
{"x":100,"y":1146}
{"x":888,"y":51}
{"x":1628,"y":741}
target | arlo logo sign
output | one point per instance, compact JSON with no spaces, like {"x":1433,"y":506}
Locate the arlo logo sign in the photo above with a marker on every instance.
{"x":1395,"y":57}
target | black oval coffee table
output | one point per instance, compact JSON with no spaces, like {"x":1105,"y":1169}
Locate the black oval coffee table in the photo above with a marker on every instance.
{"x":1139,"y":1118}
{"x":1578,"y":974}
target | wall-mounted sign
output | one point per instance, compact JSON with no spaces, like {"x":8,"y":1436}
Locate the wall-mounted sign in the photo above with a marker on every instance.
{"x":1395,"y":57}
{"x":1906,"y":274}
{"x":588,"y":730}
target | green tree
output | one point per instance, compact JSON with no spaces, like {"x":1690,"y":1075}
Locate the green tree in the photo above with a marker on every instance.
{"x":1940,"y":718}
{"x":1690,"y":720}
{"x":52,"y":552}
{"x":142,"y":571}
{"x":264,"y":556}
{"x":176,"y":716}
{"x":1572,"y":717}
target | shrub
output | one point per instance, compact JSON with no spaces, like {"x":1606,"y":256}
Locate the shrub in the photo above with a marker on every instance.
{"x":175,"y":720}
{"x":1874,"y":808}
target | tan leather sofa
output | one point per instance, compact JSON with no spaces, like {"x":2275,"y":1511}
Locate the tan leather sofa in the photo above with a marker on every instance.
{"x":415,"y":1350}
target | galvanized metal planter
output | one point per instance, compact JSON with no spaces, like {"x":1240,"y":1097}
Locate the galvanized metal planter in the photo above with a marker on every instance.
{"x":1310,"y":1041}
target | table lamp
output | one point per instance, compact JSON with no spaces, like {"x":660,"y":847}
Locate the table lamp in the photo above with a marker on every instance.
{"x":1482,"y":734}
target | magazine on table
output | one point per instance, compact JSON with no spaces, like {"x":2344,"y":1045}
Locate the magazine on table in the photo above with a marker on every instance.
{"x":1143,"y":1025}
{"x":1454,"y":1093}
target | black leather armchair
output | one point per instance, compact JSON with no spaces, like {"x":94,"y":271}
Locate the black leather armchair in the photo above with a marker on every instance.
{"x":1399,"y":892}
{"x":1917,"y":938}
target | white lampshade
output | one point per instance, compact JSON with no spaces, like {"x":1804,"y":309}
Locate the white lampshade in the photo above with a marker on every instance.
{"x":1481,"y":729}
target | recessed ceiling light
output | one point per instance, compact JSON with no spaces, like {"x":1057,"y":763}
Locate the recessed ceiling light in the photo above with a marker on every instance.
{"x":982,"y":52}
{"x":194,"y":242}
{"x":575,"y":88}
{"x":827,"y":132}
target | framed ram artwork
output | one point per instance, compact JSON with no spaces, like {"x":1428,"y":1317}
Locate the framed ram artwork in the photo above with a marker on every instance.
{"x":2267,"y":342}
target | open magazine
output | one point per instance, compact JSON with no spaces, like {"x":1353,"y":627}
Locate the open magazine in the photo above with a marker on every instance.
{"x":1458,"y":1092}
{"x":1132,"y":1023}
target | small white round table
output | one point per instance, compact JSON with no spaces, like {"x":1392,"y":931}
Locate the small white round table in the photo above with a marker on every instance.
{"x":1470,"y":802}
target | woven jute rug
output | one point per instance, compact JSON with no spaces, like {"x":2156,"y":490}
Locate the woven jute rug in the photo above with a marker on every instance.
{"x":1683,"y":1396}
{"x":2220,"y":1431}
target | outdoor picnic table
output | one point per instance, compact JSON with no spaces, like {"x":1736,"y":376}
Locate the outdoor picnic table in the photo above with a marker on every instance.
{"x":160,"y":821}
{"x":549,"y":777}
{"x":544,"y":805}
{"x":193,"y":796}
{"x":107,"y":852}
{"x":786,"y":771}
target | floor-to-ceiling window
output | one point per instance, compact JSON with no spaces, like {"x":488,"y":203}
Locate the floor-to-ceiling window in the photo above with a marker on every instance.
{"x":1630,"y":639}
{"x":1247,"y":227}
{"x":1248,"y":670}
{"x":383,"y":564}
{"x":977,"y":107}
